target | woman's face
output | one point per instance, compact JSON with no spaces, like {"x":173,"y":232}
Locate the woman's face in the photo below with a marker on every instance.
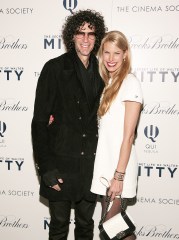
{"x":112,"y":57}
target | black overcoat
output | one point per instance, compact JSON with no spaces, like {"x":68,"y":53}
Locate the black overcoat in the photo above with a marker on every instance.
{"x":69,"y":142}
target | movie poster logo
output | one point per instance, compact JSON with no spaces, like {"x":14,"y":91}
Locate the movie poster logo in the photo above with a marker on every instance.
{"x":12,"y":43}
{"x":52,"y":42}
{"x":157,"y":170}
{"x":46,"y":222}
{"x":11,"y":164}
{"x":11,"y":73}
{"x":157,"y":75}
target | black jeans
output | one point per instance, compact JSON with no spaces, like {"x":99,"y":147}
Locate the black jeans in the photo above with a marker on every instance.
{"x":60,"y":219}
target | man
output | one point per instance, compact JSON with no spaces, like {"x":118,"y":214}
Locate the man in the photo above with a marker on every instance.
{"x":69,"y":89}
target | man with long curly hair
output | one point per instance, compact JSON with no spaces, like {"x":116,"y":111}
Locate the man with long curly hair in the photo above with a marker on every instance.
{"x":64,"y":126}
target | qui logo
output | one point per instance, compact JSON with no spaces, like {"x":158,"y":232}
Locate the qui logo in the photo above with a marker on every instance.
{"x":2,"y":128}
{"x":70,"y":5}
{"x":151,"y":132}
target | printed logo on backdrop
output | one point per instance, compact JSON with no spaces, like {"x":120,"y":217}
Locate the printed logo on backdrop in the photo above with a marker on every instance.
{"x":12,"y":105}
{"x":12,"y":43}
{"x":52,"y":41}
{"x":70,"y":5}
{"x":145,"y":8}
{"x":169,"y":109}
{"x":151,"y":132}
{"x":11,"y":73}
{"x":3,"y":128}
{"x":46,"y":222}
{"x":161,"y":201}
{"x":157,"y":231}
{"x":12,"y":164}
{"x":153,"y":42}
{"x":136,"y":10}
{"x":11,"y":221}
{"x":148,"y":169}
{"x":16,"y":11}
{"x":157,"y":75}
{"x":36,"y":74}
{"x":157,"y":170}
{"x":16,"y":193}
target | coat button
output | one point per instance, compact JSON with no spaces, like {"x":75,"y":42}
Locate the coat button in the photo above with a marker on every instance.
{"x":37,"y":166}
{"x":82,"y":153}
{"x":79,"y":118}
{"x":94,"y":153}
{"x":84,"y":135}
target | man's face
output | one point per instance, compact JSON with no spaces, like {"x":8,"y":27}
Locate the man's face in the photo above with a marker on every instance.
{"x":84,"y":41}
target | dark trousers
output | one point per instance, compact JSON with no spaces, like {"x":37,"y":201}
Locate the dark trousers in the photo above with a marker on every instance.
{"x":60,"y":219}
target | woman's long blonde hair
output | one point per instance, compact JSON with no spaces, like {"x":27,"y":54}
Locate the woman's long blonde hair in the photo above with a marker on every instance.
{"x":109,"y":94}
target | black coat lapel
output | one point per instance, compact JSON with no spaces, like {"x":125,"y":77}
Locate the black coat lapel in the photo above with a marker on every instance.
{"x":79,"y":77}
{"x":98,"y":83}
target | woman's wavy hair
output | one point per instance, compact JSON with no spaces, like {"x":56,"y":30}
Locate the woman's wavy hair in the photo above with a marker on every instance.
{"x":78,"y":19}
{"x":110,"y":92}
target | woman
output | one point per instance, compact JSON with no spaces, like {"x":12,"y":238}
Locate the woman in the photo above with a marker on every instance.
{"x":118,"y":113}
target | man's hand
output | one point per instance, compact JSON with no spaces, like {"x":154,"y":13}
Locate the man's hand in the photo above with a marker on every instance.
{"x":57,"y":186}
{"x":53,"y":179}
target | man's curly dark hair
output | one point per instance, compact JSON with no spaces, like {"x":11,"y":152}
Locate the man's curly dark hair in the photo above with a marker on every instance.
{"x":75,"y":21}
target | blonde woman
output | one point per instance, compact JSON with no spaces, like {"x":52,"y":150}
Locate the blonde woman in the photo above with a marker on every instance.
{"x":118,"y":114}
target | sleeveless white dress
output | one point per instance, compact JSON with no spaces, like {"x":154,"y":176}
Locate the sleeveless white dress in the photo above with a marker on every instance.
{"x":110,"y":139}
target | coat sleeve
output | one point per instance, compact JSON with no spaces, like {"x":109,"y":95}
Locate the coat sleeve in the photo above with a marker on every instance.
{"x":43,"y":108}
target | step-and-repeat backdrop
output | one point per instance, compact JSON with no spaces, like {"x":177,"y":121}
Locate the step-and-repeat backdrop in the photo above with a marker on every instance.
{"x":30,"y":34}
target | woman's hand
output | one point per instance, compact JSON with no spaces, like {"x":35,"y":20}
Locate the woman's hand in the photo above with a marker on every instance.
{"x":115,"y":188}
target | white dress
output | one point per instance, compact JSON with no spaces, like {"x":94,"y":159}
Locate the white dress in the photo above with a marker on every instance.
{"x":110,"y":139}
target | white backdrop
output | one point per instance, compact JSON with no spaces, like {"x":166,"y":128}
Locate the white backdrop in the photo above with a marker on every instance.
{"x":30,"y":35}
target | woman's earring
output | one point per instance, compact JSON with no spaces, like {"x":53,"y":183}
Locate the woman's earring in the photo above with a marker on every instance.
{"x":124,"y":59}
